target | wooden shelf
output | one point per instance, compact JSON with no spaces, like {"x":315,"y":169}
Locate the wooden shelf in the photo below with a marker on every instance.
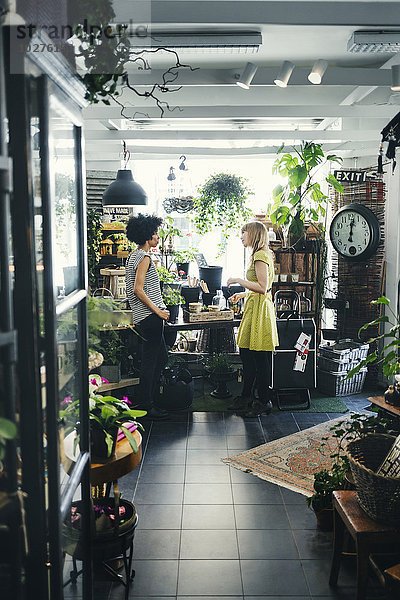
{"x":107,"y":387}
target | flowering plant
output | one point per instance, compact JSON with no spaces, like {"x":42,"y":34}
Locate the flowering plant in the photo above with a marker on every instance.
{"x":105,"y":412}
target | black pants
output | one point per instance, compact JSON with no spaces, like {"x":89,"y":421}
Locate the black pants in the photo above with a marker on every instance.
{"x":154,"y":357}
{"x":256,"y":368}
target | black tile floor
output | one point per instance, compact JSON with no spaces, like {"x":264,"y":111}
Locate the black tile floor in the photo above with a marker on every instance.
{"x":208,"y":531}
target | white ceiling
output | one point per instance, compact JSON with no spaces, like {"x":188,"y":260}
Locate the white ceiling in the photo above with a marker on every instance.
{"x":347,"y":111}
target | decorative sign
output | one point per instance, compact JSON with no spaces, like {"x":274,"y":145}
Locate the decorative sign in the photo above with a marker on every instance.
{"x":352,"y":176}
{"x":114,"y":213}
{"x":391,"y":464}
{"x":201,"y":261}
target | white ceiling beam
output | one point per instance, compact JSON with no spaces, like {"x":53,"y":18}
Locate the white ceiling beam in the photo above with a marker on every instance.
{"x":264,"y":77}
{"x":252,"y":12}
{"x":101,"y":112}
{"x":309,"y":134}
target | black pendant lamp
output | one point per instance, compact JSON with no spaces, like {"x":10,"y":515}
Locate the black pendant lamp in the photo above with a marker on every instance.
{"x":124,"y":191}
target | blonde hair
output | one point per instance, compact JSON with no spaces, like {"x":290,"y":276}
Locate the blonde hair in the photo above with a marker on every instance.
{"x":257,"y":236}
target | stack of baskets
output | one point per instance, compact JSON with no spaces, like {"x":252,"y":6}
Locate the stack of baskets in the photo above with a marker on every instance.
{"x":335,"y":361}
{"x":378,"y":495}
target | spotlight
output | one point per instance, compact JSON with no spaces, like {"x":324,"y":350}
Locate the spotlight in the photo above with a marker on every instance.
{"x":318,"y":71}
{"x":395,"y":78}
{"x":284,"y":74}
{"x":247,"y":76}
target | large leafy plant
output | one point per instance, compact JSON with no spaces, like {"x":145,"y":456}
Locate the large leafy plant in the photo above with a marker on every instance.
{"x":301,"y":197}
{"x":221,"y":202}
{"x":108,"y":412}
{"x":389,"y":356}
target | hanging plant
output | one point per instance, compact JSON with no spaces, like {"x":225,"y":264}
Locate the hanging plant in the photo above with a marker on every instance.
{"x":222,"y":203}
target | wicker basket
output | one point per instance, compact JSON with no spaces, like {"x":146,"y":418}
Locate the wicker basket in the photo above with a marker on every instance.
{"x":378,"y":495}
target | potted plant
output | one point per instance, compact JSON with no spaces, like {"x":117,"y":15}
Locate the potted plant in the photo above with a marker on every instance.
{"x":183,"y":258}
{"x":221,"y":202}
{"x":337,"y":477}
{"x":107,"y":415}
{"x":388,"y":356}
{"x":301,"y":198}
{"x":104,"y":314}
{"x":219,"y":368}
{"x":166,"y":234}
{"x":173,"y":300}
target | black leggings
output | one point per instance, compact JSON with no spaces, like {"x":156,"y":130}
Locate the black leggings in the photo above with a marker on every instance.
{"x":154,"y":357}
{"x":256,"y":368}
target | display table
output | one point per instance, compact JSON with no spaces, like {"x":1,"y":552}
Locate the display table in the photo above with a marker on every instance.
{"x":368,"y":535}
{"x":220,"y":337}
{"x":379,"y":401}
{"x":109,"y":469}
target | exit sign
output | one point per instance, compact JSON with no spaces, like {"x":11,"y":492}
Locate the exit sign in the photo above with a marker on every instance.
{"x":350,"y":176}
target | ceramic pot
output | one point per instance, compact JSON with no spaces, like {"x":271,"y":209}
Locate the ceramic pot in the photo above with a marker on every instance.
{"x":324,"y":519}
{"x":98,"y":446}
{"x":183,"y":267}
{"x":212,"y":276}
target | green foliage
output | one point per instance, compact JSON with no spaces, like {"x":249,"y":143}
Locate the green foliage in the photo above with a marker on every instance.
{"x":164,"y":275}
{"x":93,"y":242}
{"x":301,"y":198}
{"x":104,"y":313}
{"x":183,"y":256}
{"x":327,"y":481}
{"x":8,"y":431}
{"x":172,"y":297}
{"x":389,"y":356}
{"x":218,"y":363}
{"x":107,"y":411}
{"x":222,"y":203}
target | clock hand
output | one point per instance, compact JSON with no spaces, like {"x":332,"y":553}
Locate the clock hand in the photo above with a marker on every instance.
{"x":351,"y":230}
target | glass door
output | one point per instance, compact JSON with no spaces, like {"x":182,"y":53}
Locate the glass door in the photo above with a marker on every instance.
{"x":49,"y":236}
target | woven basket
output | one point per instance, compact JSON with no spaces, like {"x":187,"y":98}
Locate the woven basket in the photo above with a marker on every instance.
{"x":378,"y":495}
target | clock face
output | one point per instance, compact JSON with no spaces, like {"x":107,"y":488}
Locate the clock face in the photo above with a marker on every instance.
{"x":355,"y":232}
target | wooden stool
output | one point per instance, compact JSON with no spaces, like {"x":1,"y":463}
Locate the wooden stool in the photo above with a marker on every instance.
{"x":368,"y":535}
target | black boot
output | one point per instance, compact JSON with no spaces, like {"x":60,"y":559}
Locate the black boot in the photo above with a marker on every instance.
{"x":258,"y":408}
{"x":240,"y":403}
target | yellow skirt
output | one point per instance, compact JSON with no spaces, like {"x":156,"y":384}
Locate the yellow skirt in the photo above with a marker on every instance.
{"x":258,"y":329}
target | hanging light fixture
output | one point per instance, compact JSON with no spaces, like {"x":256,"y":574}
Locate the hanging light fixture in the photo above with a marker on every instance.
{"x":395,"y":87}
{"x":247,"y":76}
{"x":318,"y":71}
{"x":124,"y":191}
{"x":284,"y":74}
{"x":171,"y":176}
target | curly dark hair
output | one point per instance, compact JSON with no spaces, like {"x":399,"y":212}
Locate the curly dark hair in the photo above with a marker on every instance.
{"x":141,"y":228}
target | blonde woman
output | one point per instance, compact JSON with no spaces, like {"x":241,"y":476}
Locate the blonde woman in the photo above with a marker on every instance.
{"x":258,"y":336}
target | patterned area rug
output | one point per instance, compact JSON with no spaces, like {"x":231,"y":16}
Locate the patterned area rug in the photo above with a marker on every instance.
{"x":290,"y":461}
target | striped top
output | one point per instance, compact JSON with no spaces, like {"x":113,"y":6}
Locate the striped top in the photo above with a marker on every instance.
{"x":151,"y":286}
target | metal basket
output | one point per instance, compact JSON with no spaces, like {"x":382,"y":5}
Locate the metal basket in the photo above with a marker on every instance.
{"x":335,"y":366}
{"x":345,"y":350}
{"x":336,"y":384}
{"x":378,"y":495}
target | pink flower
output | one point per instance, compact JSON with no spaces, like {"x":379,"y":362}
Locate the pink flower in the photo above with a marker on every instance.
{"x":104,"y":380}
{"x":125,"y":399}
{"x":67,"y":400}
{"x":94,"y":382}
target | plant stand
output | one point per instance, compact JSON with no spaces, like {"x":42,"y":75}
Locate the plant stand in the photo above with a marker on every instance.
{"x":107,"y":547}
{"x":221,"y":390}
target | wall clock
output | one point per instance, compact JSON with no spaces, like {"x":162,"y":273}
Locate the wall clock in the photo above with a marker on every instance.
{"x":355,"y":232}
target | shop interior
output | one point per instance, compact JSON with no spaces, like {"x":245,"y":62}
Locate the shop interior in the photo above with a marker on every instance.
{"x":208,"y":115}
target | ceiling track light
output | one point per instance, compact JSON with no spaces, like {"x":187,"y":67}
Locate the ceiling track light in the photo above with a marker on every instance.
{"x":395,"y":87}
{"x":247,"y":76}
{"x":284,"y":74}
{"x":318,"y":71}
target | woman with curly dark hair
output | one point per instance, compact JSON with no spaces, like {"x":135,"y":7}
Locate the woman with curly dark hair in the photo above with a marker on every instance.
{"x":148,"y":308}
